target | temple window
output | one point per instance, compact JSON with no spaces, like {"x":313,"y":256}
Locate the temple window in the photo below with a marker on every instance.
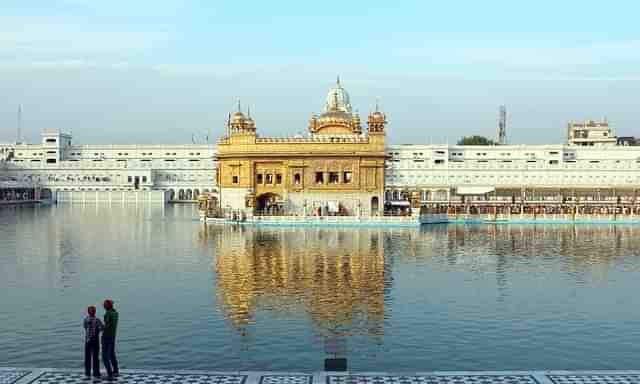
{"x":333,"y":178}
{"x":296,"y":179}
{"x":347,"y":177}
{"x":319,"y":178}
{"x":269,"y":178}
{"x":259,"y":178}
{"x":235,"y":180}
{"x":278,"y":178}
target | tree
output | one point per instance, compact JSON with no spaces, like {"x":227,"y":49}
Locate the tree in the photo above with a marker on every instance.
{"x":475,"y":140}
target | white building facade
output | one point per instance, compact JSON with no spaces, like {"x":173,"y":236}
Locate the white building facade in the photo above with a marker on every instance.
{"x":590,"y":133}
{"x":446,"y":173}
{"x":439,"y":173}
{"x":57,"y":165}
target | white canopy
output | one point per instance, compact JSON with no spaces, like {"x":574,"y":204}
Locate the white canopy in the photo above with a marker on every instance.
{"x":475,"y":190}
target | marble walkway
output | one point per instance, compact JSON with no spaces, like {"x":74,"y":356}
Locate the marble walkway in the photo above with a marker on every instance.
{"x":75,"y":376}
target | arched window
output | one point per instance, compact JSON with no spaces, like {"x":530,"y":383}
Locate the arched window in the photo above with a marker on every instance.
{"x":297,"y":179}
{"x":374,"y":205}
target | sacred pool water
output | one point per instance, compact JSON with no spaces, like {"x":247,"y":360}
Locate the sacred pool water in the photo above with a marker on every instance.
{"x":446,"y":297}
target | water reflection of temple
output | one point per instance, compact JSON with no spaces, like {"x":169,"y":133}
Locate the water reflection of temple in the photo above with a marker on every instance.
{"x":337,"y":276}
{"x":341,"y":278}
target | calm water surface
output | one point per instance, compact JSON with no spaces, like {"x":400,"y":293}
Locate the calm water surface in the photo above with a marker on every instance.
{"x":439,"y":298}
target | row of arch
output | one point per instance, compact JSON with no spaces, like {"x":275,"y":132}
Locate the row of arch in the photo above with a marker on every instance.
{"x":404,"y":195}
{"x":174,"y":195}
{"x":185,"y":194}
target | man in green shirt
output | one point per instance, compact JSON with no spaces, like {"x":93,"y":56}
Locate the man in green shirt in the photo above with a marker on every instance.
{"x":109,"y":340}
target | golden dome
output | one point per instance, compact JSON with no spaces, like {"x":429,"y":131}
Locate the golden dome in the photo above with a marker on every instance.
{"x":338,"y":117}
{"x":237,"y":116}
{"x":378,"y":116}
{"x":335,"y":117}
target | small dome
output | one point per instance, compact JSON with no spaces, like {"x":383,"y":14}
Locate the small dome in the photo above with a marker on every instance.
{"x":378,"y":116}
{"x":237,"y":116}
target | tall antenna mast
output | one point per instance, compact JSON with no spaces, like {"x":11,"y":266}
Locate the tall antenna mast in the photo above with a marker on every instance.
{"x":19,"y":125}
{"x":502,"y":126}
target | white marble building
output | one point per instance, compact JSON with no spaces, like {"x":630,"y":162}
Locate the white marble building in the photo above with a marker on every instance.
{"x":442,"y":172}
{"x":56,"y":164}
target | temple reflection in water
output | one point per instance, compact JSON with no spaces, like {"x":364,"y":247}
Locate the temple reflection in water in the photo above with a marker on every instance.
{"x":342,"y":277}
{"x":337,"y":276}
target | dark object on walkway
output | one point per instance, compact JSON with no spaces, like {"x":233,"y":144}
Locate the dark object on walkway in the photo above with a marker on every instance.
{"x":336,"y":365}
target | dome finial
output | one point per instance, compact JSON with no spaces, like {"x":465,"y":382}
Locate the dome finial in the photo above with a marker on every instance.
{"x":338,"y":80}
{"x":239,"y":109}
{"x":248,"y":112}
{"x":377,"y":104}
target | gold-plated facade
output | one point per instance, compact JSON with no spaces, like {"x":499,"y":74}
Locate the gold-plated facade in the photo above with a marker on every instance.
{"x":336,"y":167}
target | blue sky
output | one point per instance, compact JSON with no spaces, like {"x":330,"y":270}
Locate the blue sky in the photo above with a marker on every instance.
{"x":157,"y":72}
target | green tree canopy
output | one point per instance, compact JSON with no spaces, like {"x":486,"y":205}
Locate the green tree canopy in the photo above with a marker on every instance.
{"x":475,"y":140}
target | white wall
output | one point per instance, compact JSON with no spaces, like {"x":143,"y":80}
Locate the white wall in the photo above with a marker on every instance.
{"x":512,"y":166}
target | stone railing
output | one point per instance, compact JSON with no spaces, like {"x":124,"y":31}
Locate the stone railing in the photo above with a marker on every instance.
{"x":315,"y":139}
{"x":306,"y":140}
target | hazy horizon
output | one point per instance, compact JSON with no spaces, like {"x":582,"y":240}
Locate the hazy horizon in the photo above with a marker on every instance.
{"x":159,"y":73}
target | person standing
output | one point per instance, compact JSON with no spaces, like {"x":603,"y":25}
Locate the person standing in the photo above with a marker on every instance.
{"x":109,"y":340}
{"x":92,"y":327}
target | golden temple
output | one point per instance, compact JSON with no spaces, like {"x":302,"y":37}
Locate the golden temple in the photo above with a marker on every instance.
{"x":336,"y":169}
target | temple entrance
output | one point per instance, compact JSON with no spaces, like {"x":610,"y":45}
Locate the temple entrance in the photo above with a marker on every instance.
{"x":269,"y":204}
{"x":374,"y":205}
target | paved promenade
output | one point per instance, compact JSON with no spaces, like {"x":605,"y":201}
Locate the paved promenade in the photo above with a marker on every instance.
{"x":76,"y":376}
